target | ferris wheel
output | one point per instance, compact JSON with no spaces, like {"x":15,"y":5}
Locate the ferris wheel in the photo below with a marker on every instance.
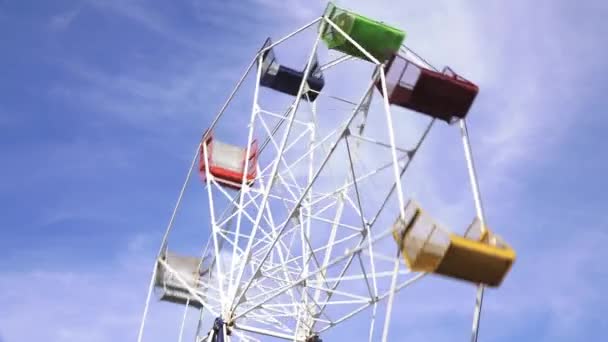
{"x":309,"y":225}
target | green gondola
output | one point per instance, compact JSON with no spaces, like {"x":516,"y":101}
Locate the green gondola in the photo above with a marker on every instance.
{"x":379,"y":39}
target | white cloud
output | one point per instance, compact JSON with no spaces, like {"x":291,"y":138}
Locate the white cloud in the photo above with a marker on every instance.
{"x":70,"y":305}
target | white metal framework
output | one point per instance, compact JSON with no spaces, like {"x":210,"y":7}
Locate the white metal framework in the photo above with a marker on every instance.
{"x":308,"y":245}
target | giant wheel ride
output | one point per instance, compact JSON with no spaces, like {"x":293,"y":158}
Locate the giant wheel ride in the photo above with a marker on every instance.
{"x":309,"y":224}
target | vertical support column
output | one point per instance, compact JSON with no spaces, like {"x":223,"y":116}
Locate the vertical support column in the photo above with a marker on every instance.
{"x":480,"y":214}
{"x":400,"y":197}
{"x":305,"y":319}
{"x":214,"y":229}
{"x":198,"y":325}
{"x":183,"y":325}
{"x":142,"y":325}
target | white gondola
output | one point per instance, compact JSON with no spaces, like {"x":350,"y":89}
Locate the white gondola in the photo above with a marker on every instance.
{"x":177,"y":277}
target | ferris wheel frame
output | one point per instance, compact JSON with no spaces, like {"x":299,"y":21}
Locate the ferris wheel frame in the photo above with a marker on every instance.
{"x":231,"y":295}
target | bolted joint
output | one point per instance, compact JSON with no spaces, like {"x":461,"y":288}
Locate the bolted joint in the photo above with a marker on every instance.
{"x":346,"y":132}
{"x":296,"y":213}
{"x":365,"y":230}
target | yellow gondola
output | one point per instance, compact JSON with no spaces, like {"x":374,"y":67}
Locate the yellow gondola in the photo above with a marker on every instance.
{"x":478,"y":257}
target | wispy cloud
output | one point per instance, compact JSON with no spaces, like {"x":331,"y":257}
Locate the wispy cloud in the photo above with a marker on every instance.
{"x":136,"y":97}
{"x":62,"y":21}
{"x":147,"y":18}
{"x":74,"y":305}
{"x":563,"y":286}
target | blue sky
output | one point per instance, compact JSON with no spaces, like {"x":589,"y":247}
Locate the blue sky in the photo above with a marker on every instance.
{"x":102,"y":103}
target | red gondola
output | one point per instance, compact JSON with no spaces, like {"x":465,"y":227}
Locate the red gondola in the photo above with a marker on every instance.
{"x":227,"y":162}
